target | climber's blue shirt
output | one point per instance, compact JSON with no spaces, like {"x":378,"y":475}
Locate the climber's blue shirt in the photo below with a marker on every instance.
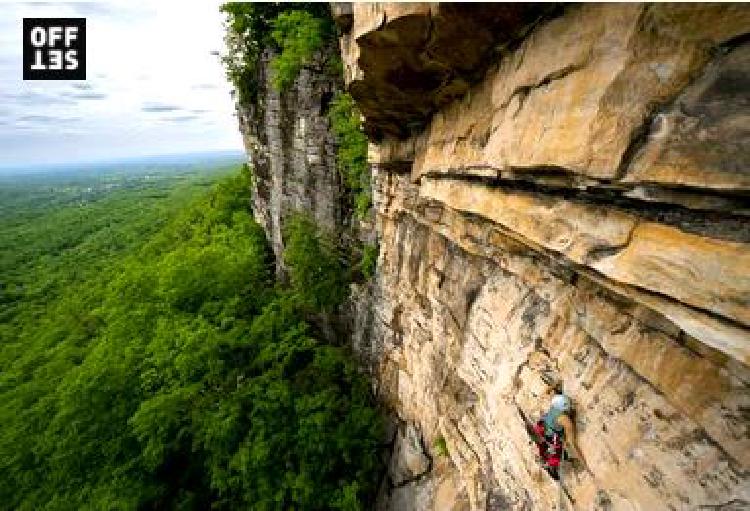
{"x":550,"y":421}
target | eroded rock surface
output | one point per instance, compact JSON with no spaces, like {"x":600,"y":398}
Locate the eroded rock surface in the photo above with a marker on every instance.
{"x":701,"y":140}
{"x":580,"y":214}
{"x":409,"y":461}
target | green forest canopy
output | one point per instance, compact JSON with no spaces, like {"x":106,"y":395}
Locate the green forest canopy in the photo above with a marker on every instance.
{"x":150,"y":361}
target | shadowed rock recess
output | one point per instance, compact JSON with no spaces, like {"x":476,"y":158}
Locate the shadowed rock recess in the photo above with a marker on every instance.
{"x":560,"y":193}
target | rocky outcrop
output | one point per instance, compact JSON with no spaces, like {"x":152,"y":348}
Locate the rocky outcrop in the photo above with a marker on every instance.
{"x":292,"y":151}
{"x":576,"y":211}
{"x":582,"y":90}
{"x":406,"y":60}
{"x":471,"y":325}
{"x":561,"y":195}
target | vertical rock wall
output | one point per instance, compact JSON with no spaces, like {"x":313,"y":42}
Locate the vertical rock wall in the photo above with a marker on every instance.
{"x":576,"y":212}
{"x":291,"y":149}
{"x":561,"y":194}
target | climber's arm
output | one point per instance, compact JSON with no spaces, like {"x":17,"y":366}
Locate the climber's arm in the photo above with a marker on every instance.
{"x":570,"y":438}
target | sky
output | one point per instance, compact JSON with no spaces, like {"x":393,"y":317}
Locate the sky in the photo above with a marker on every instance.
{"x":154,"y":85}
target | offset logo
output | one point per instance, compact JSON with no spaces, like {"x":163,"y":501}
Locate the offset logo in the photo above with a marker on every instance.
{"x":54,"y":48}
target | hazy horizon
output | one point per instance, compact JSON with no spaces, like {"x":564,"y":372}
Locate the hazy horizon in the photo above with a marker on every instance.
{"x":155,"y":86}
{"x":154,"y":159}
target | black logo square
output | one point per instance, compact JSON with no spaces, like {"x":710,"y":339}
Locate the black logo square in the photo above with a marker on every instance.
{"x":54,"y":48}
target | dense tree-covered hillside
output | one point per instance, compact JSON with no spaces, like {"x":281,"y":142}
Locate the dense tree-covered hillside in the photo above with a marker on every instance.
{"x":150,"y":361}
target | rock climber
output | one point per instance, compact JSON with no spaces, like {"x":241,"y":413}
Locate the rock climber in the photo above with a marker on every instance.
{"x":555,"y":436}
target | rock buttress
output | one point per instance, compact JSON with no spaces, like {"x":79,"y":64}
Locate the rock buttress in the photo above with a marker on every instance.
{"x":291,"y":149}
{"x":577,"y":211}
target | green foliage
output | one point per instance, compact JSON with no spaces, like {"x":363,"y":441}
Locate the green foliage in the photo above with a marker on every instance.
{"x":369,"y":260}
{"x":351,"y":155}
{"x":299,"y":34}
{"x":335,"y":66}
{"x":363,"y":201}
{"x":316,"y":264}
{"x":248,"y":33}
{"x":440,"y":446}
{"x":169,"y":371}
{"x":252,"y":27}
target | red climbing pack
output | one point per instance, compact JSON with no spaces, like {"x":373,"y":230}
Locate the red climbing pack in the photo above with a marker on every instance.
{"x":550,"y":448}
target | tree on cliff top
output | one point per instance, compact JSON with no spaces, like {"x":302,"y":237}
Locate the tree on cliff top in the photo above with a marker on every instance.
{"x":295,"y":30}
{"x":299,"y":34}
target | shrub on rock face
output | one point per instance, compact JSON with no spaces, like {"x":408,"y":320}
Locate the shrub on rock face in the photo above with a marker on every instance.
{"x":369,"y":260}
{"x":440,"y":446}
{"x":351,"y":151}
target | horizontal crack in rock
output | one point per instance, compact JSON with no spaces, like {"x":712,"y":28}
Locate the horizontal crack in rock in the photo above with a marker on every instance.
{"x":722,"y":225}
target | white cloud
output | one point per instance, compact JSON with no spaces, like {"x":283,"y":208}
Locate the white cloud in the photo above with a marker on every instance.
{"x":143,"y":59}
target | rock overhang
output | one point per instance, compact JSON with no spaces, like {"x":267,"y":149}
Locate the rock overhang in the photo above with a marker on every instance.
{"x":414,"y":58}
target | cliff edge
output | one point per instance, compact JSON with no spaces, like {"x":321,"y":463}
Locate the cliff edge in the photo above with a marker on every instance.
{"x":561,"y":195}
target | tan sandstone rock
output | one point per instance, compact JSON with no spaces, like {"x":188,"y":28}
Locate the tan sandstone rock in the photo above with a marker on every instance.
{"x":703,"y":140}
{"x":704,"y":273}
{"x":479,"y":327}
{"x":577,"y":93}
{"x":562,"y":197}
{"x":560,"y":194}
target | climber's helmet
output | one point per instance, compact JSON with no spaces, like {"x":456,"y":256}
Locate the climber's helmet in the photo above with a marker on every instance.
{"x":561,"y":402}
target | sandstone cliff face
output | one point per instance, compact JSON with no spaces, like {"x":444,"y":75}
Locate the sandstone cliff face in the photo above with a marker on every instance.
{"x":291,"y":150}
{"x":579,"y":212}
